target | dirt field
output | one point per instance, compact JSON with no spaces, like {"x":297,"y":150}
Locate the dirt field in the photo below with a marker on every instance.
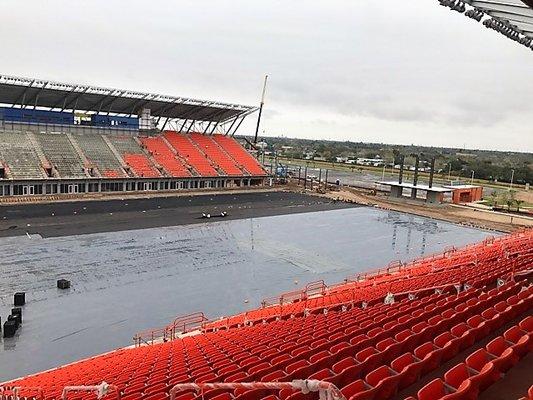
{"x":447,"y":212}
{"x":526,"y":196}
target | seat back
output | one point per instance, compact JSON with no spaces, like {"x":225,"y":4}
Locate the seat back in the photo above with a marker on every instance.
{"x":400,"y":363}
{"x":497,"y":346}
{"x":456,"y":375}
{"x":477,"y":359}
{"x":433,"y":390}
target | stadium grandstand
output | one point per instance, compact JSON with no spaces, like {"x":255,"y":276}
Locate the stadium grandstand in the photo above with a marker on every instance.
{"x":454,"y":323}
{"x":58,"y":139}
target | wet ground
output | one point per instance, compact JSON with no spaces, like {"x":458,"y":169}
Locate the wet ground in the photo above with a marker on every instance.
{"x":127,"y":281}
{"x":81,"y":217}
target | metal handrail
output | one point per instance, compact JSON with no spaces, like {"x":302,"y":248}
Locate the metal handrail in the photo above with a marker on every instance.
{"x":180,"y":325}
{"x":16,"y":389}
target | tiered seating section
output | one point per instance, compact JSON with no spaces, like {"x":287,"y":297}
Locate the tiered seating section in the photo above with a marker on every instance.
{"x":60,"y":152}
{"x":231,"y":146}
{"x":475,"y":263}
{"x":98,"y":153}
{"x":133,"y":155}
{"x":163,"y":154}
{"x":18,"y":153}
{"x":216,"y":154}
{"x":376,"y":351}
{"x":141,"y":166}
{"x":186,"y":149}
{"x":176,"y":155}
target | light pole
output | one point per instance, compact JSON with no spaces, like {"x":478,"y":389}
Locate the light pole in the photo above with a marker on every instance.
{"x":450,"y":172}
{"x":512,"y":177}
{"x":472,"y":179}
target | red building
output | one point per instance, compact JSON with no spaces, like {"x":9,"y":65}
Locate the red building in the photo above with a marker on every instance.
{"x":466,"y":193}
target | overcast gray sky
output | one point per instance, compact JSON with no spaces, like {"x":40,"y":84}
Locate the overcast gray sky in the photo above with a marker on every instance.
{"x":391,"y":71}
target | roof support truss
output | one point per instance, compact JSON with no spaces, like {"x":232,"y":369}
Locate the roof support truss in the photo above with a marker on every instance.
{"x":61,"y":96}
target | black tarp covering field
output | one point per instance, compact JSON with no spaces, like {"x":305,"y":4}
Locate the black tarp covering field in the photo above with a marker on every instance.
{"x":127,"y":281}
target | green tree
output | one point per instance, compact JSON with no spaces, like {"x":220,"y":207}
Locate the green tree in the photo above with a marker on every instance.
{"x":510,"y":199}
{"x":494,"y":198}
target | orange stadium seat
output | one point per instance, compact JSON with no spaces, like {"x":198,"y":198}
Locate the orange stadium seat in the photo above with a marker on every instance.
{"x":368,"y":353}
{"x":141,"y":166}
{"x":216,"y":154}
{"x":165,"y":157}
{"x":191,"y":154}
{"x":238,"y":153}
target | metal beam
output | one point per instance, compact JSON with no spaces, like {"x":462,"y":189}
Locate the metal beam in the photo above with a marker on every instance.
{"x":238,"y":126}
{"x":231,"y":126}
{"x":23,"y":95}
{"x":36,"y":99}
{"x":522,"y":23}
{"x":164,"y":125}
{"x":503,"y":7}
{"x":183,"y":125}
{"x":190,"y":126}
{"x":138,"y":103}
{"x":75,"y":100}
{"x":64,"y":100}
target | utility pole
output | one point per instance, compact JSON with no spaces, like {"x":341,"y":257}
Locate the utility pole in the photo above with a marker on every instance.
{"x":511,"y":184}
{"x":472,"y":179}
{"x":415,"y":176}
{"x":260,"y":109}
{"x":431,"y":171}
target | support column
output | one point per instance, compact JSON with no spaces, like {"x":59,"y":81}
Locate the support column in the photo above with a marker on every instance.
{"x":396,"y":191}
{"x":433,"y":197}
{"x":415,"y":178}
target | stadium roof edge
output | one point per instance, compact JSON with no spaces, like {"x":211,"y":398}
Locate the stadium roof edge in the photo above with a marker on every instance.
{"x":511,"y":18}
{"x":33,"y":93}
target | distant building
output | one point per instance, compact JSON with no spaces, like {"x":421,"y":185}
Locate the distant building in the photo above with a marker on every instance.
{"x":261,"y":145}
{"x":465,"y":193}
{"x":375,"y":162}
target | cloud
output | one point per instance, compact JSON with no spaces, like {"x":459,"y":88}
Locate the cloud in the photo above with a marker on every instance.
{"x":380,"y":71}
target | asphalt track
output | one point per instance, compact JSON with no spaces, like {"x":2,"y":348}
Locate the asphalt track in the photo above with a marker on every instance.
{"x":83,"y":217}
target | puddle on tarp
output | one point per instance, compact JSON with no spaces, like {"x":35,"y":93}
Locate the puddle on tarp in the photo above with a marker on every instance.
{"x":124,"y":282}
